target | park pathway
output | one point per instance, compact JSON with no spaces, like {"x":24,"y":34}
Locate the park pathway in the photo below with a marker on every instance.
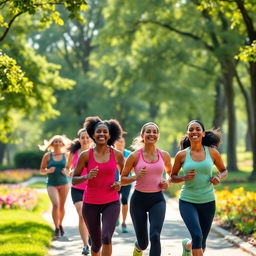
{"x":173,"y":232}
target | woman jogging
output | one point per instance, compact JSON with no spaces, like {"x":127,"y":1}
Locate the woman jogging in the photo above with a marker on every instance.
{"x":53,"y":165}
{"x":197,"y":157}
{"x":101,"y":201}
{"x":147,"y":202}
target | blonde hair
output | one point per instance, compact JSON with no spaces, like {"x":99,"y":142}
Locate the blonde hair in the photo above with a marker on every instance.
{"x":138,"y":142}
{"x":48,"y":143}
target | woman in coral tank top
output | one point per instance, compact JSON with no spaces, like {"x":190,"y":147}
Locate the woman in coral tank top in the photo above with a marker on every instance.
{"x":101,"y":200}
{"x":147,"y":201}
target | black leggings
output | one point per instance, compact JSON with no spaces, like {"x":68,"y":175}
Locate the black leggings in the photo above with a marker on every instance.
{"x":124,"y":194}
{"x":93,"y":215}
{"x":153,"y":204}
{"x":198,"y":219}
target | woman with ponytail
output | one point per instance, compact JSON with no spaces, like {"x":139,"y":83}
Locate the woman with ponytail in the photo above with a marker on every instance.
{"x":100,"y":200}
{"x":147,"y":202}
{"x":196,"y":158}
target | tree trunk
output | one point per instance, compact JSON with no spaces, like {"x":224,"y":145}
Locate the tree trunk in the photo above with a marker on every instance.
{"x":253,"y":93}
{"x":219,"y":105}
{"x":228,"y":75}
{"x":2,"y":151}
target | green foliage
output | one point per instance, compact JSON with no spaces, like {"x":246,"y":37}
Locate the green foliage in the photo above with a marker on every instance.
{"x":248,"y":53}
{"x":28,"y":159}
{"x":24,"y":232}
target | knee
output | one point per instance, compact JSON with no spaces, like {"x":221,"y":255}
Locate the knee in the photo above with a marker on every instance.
{"x":106,"y":239}
{"x":155,"y":238}
{"x":124,"y":201}
{"x":143,"y":245}
{"x":96,"y":247}
{"x":197,"y":240}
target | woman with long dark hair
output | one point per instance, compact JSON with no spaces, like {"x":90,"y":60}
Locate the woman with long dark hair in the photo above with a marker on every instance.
{"x":196,"y":158}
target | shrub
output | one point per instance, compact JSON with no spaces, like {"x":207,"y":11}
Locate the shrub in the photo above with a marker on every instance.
{"x":28,"y":159}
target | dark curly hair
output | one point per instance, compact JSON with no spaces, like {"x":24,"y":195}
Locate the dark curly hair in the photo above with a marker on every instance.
{"x":212,"y":137}
{"x":75,"y":144}
{"x":115,"y":129}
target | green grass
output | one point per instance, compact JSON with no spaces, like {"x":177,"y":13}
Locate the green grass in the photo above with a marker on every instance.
{"x":25,"y":233}
{"x":39,"y":184}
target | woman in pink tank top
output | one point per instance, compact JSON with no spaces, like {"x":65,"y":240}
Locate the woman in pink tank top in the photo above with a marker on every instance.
{"x":101,"y":200}
{"x":147,"y":201}
{"x":78,"y":145}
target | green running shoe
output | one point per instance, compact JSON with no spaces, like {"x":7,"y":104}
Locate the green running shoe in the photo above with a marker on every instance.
{"x":185,"y":251}
{"x":136,"y":252}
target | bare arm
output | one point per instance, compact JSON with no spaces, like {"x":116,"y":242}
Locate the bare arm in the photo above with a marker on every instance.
{"x":43,"y":167}
{"x":82,"y":163}
{"x":218,"y":162}
{"x":178,"y":161}
{"x":128,"y":166}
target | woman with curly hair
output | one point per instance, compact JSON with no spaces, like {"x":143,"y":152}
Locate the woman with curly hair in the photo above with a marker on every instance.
{"x":101,"y":200}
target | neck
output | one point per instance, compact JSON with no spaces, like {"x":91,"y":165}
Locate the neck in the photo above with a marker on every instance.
{"x":149,"y":148}
{"x":196,"y":146}
{"x":101,"y":148}
{"x":57,"y":152}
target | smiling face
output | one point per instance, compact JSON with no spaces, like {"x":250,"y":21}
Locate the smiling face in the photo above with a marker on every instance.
{"x":101,"y":134}
{"x":57,"y":143}
{"x":150,"y":134}
{"x":84,"y":140}
{"x":195,"y":132}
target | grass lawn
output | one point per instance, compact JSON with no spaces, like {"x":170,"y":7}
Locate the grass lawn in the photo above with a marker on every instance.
{"x":39,"y":184}
{"x":25,"y":233}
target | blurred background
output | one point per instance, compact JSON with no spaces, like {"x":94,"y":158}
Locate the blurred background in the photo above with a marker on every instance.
{"x":165,"y":61}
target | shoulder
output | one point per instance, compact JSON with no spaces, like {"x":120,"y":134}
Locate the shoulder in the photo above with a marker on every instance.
{"x":181,"y":155}
{"x":47,"y":155}
{"x":164,"y":154}
{"x":214,"y":152}
{"x":117,"y":153}
{"x":84,"y":153}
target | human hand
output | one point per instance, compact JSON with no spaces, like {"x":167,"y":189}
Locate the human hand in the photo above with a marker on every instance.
{"x":67,"y":172}
{"x":51,"y":169}
{"x":141,"y":173}
{"x":190,"y":175}
{"x":93,"y":173}
{"x":164,"y":184}
{"x":215,"y":180}
{"x":116,"y":185}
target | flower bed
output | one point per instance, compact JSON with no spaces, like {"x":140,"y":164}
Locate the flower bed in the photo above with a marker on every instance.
{"x":16,"y":176}
{"x":237,"y":209}
{"x":16,"y":197}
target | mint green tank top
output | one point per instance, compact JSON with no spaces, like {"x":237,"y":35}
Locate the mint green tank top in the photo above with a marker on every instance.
{"x":56,"y":178}
{"x":198,"y":190}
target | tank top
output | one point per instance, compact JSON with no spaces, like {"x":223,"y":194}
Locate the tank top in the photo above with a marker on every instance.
{"x":84,"y":172}
{"x":56,"y":178}
{"x":198,"y":190}
{"x":150,"y":182}
{"x":99,"y":190}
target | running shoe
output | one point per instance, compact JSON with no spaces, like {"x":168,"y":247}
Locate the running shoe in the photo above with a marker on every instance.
{"x":57,"y":233}
{"x":86,"y":250}
{"x":117,"y":223}
{"x":136,"y":252}
{"x":124,"y":228}
{"x":185,"y":252}
{"x":61,"y":231}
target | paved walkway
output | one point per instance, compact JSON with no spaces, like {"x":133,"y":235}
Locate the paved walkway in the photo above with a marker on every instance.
{"x":173,"y":232}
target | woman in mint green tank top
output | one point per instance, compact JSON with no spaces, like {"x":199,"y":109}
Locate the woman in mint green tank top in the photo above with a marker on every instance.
{"x":196,"y":158}
{"x":53,"y":165}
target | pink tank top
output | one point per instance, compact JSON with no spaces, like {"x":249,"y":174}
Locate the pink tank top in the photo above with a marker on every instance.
{"x":99,"y":189}
{"x":84,"y":172}
{"x":150,"y":182}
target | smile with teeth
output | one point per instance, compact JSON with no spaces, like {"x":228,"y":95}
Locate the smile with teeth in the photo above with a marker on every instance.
{"x":195,"y":137}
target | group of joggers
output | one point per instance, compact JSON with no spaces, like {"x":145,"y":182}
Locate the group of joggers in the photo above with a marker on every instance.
{"x":93,"y":161}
